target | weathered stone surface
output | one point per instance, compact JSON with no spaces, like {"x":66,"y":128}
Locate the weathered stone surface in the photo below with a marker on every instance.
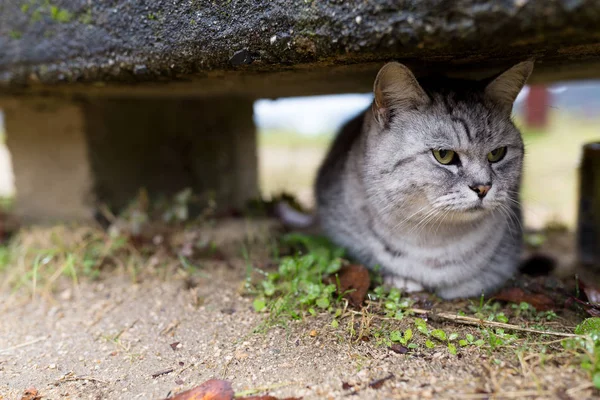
{"x":48,"y":42}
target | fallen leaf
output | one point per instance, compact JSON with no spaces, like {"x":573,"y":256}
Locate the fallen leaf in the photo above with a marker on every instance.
{"x":31,"y":394}
{"x":398,"y":348}
{"x":377,"y":384}
{"x":267,"y":397}
{"x":353,"y":282}
{"x":539,"y":301}
{"x":213,"y":389}
{"x":590,"y":308}
{"x":592,"y":293}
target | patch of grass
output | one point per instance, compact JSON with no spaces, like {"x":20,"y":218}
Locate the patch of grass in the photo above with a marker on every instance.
{"x":289,"y":139}
{"x":298,"y":287}
{"x":588,"y":347}
{"x":38,"y":257}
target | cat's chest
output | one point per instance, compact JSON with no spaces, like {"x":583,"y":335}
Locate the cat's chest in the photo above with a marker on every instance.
{"x":438,"y":250}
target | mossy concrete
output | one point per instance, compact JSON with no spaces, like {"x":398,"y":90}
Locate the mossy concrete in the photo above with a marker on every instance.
{"x":48,"y":43}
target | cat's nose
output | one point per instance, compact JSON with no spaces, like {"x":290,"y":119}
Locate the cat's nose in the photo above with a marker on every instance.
{"x":481,"y":190}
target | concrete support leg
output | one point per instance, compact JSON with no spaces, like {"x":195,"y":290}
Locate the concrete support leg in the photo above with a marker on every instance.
{"x":70,"y":157}
{"x":53,"y":179}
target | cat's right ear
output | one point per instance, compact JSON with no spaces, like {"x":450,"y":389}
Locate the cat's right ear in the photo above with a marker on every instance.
{"x":396,"y":88}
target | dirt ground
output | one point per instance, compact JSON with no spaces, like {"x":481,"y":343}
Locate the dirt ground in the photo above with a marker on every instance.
{"x":117,"y":339}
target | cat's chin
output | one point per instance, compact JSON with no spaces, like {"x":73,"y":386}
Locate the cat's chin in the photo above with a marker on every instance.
{"x":470,"y":214}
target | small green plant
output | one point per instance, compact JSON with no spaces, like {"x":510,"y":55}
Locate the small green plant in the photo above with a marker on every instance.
{"x":470,"y":340}
{"x":298,"y":286}
{"x":497,"y":338}
{"x":437,"y":334}
{"x":486,"y":310}
{"x":394,"y":305}
{"x":403,"y":338}
{"x":588,"y":347}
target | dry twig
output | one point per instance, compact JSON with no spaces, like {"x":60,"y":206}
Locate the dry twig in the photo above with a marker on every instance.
{"x":460,"y":319}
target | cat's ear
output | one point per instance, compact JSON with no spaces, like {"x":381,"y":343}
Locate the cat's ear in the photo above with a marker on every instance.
{"x":395,"y":87}
{"x":503,"y":90}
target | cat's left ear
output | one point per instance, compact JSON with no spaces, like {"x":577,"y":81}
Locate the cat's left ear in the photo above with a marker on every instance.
{"x":504,"y":89}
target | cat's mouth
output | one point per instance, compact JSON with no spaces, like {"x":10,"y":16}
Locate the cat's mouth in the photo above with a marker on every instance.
{"x":475,"y":208}
{"x":471,"y":212}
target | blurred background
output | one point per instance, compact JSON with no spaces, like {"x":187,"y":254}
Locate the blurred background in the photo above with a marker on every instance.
{"x":294,"y":134}
{"x":555,"y":120}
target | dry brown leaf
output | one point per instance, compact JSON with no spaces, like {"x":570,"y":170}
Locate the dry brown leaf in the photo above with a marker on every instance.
{"x":353,"y":281}
{"x":539,"y":301}
{"x":377,"y":384}
{"x":31,"y":394}
{"x":592,"y":293}
{"x":399,"y":349}
{"x":213,"y":389}
{"x":267,"y":397}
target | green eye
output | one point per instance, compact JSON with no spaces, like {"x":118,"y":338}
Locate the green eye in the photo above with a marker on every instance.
{"x":496,"y":155}
{"x":444,"y":156}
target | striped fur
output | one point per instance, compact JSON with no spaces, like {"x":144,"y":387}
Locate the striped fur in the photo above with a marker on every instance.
{"x":382,"y":195}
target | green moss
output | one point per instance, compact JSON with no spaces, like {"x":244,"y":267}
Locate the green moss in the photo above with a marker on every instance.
{"x":39,"y":9}
{"x":15,"y":34}
{"x":86,"y":18}
{"x":36,"y":16}
{"x":60,"y":14}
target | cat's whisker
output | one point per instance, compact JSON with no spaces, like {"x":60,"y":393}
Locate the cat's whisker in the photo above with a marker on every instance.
{"x":507,"y":217}
{"x":411,"y":216}
{"x":418,"y":228}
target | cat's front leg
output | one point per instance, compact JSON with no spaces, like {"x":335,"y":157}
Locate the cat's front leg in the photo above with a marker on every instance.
{"x":404,"y":284}
{"x":485,"y":284}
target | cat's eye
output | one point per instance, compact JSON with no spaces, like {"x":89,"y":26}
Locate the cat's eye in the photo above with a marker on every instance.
{"x":444,"y":156}
{"x":496,"y":155}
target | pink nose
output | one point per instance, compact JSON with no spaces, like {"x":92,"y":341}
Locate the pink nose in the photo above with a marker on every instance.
{"x":481,"y":190}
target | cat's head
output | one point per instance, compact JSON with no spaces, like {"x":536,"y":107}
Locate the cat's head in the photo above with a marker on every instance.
{"x":443,"y":149}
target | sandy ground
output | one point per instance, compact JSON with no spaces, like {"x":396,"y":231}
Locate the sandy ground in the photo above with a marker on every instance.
{"x":106,"y":340}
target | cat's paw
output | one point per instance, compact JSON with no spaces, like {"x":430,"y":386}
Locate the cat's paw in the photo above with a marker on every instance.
{"x":406,"y":285}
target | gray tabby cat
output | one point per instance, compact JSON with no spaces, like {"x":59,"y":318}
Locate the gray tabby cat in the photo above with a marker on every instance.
{"x":426,"y":182}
